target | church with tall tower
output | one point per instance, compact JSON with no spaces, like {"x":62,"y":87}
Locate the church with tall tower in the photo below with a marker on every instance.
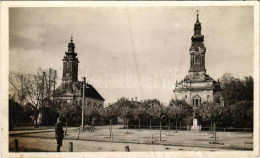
{"x":197,"y":86}
{"x":70,"y":90}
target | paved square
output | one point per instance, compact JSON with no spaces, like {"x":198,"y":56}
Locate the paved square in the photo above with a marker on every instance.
{"x":136,"y":140}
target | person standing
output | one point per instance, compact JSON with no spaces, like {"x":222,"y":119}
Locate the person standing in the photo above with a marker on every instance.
{"x":59,"y":133}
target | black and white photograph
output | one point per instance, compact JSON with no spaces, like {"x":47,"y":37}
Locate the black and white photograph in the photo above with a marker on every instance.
{"x":166,"y":78}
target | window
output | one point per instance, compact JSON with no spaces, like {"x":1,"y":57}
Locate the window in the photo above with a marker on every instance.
{"x":196,"y":100}
{"x":185,"y":97}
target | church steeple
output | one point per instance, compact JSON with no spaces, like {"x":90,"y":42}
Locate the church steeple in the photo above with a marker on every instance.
{"x":197,"y":53}
{"x":70,"y":66}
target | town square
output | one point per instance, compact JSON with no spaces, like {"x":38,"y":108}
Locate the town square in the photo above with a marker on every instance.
{"x":132,"y":79}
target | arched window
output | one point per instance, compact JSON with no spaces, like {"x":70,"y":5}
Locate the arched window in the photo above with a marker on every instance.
{"x":185,"y":97}
{"x":99,"y":106}
{"x":196,"y":100}
{"x":89,"y":104}
{"x":95,"y":105}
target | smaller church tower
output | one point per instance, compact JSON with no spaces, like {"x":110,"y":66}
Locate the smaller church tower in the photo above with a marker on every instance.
{"x":197,"y":53}
{"x":70,"y":67}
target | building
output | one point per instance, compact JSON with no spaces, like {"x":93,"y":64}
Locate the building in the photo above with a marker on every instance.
{"x":197,"y":86}
{"x":70,"y":91}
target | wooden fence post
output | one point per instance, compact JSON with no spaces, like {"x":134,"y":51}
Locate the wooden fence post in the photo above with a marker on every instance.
{"x":16,"y":145}
{"x":127,"y":149}
{"x":79,"y":133}
{"x":70,"y":147}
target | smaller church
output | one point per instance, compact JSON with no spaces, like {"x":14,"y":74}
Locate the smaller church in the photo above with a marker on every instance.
{"x":197,"y":86}
{"x":70,"y":91}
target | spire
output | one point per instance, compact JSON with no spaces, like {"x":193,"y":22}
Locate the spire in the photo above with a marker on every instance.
{"x":197,"y":21}
{"x":197,"y":38}
{"x":197,"y":25}
{"x":71,"y":45}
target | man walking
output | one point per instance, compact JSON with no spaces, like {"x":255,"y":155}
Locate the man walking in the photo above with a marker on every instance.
{"x":59,"y":133}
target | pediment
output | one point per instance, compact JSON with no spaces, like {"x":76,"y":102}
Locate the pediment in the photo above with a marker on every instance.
{"x":66,"y":94}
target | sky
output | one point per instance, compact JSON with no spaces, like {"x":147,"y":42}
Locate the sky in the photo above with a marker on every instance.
{"x":132,"y":51}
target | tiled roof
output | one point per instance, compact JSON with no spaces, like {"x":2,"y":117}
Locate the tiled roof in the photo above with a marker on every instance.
{"x":90,"y":91}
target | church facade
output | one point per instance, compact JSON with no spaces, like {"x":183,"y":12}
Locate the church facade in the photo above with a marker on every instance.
{"x":70,"y":91}
{"x":197,"y":86}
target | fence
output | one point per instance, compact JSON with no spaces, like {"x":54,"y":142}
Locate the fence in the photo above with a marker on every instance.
{"x":221,"y":129}
{"x":32,"y":128}
{"x":157,"y":127}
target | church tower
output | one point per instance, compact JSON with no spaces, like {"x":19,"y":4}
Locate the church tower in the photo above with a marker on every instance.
{"x":197,"y":54}
{"x":70,"y":67}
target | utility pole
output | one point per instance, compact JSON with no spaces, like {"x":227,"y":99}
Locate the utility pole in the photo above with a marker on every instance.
{"x":83,"y":101}
{"x":54,"y":82}
{"x":49,"y":87}
{"x":42,"y":88}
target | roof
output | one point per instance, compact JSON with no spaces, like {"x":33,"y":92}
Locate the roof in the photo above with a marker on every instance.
{"x":207,"y":78}
{"x":90,"y":91}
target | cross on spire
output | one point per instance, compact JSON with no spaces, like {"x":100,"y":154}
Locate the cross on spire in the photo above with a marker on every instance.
{"x":71,"y":38}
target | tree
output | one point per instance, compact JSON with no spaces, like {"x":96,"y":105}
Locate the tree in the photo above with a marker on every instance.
{"x":18,"y":86}
{"x":127,"y":113}
{"x":176,"y":113}
{"x":110,"y":113}
{"x":170,"y":116}
{"x":226,"y":79}
{"x":35,"y":88}
{"x":15,"y":112}
{"x":214,"y":112}
{"x":249,"y":88}
{"x":149,"y":105}
{"x":242,"y":114}
{"x":124,"y":108}
{"x":92,"y":114}
{"x":179,"y":109}
{"x":30,"y":89}
{"x":160,"y":114}
{"x":139,"y":113}
{"x":235,"y":89}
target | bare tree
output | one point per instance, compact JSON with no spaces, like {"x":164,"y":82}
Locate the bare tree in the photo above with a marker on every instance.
{"x":28,"y":88}
{"x":18,"y":87}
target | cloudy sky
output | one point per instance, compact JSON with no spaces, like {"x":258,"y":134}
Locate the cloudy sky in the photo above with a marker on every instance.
{"x":133,"y":44}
